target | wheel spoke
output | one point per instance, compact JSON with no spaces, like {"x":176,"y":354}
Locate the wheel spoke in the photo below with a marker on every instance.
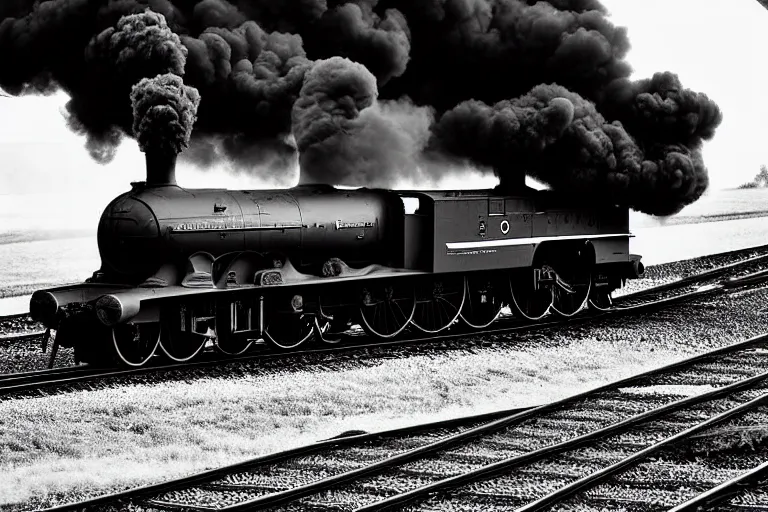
{"x":183,"y":347}
{"x":288,"y":331}
{"x":324,"y":332}
{"x":569,"y":304}
{"x":135,"y":344}
{"x":398,"y":305}
{"x":331,"y":323}
{"x":528,"y":302}
{"x":235,"y":345}
{"x":179,"y":341}
{"x":441,"y":304}
{"x":479,"y":314}
{"x":600,"y":300}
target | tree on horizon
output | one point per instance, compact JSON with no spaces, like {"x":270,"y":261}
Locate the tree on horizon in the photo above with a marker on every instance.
{"x":761,"y":179}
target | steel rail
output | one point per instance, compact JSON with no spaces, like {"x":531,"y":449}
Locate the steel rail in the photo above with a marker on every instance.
{"x":13,"y":316}
{"x":22,"y":336}
{"x":14,"y":383}
{"x":39,"y":378}
{"x":32,"y":376}
{"x":724,"y":491}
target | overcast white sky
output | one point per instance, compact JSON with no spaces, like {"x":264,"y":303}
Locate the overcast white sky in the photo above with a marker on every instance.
{"x":715,"y":49}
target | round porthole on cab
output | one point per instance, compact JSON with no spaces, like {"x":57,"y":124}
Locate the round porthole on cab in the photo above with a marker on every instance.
{"x":505,"y":227}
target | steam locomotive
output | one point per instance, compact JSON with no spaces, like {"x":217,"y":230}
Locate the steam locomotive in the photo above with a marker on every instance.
{"x":183,"y":268}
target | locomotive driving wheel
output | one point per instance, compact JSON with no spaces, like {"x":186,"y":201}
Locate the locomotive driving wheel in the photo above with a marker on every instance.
{"x":483,"y":302}
{"x":236,"y":324}
{"x":387,"y":309}
{"x":528,"y":299}
{"x":571,"y":292}
{"x":331,"y":323}
{"x":136,"y":343}
{"x":600,"y":299}
{"x":185,"y":331}
{"x":439,"y":304}
{"x":288,"y":331}
{"x":331,"y":332}
{"x":182,"y":346}
{"x":233,"y":345}
{"x":573,"y":281}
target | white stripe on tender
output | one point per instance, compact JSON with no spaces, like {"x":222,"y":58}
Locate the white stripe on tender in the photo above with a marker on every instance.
{"x":480,"y":244}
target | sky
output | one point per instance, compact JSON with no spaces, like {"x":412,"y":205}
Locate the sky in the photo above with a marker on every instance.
{"x":47,"y":178}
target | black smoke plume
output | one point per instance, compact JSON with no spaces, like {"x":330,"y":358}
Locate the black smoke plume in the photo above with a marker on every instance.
{"x":164,"y":112}
{"x":661,"y":109}
{"x":560,"y":138}
{"x":249,"y":78}
{"x":344,"y":135}
{"x":138,"y":46}
{"x":488,"y":82}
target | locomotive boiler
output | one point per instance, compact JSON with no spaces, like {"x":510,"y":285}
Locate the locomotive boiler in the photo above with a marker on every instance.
{"x":149,"y":226}
{"x":182,"y":268}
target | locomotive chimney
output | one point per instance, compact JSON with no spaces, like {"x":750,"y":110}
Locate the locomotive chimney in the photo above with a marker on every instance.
{"x":161,"y":168}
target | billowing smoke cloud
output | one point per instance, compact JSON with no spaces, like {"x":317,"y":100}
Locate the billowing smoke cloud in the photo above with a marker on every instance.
{"x":500,"y":135}
{"x":560,"y":138}
{"x":249,"y":78}
{"x":163,"y":113}
{"x":344,"y":135}
{"x":661,"y":109}
{"x":483,"y":69}
{"x":138,"y":46}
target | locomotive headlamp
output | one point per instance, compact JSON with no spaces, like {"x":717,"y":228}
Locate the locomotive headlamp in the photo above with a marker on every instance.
{"x":297,"y":303}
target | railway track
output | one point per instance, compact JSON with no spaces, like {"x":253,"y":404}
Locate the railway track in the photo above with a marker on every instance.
{"x":578,"y":452}
{"x":675,"y":482}
{"x":29,"y":382}
{"x":744,"y":492}
{"x":15,"y":316}
{"x":24,"y":335}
